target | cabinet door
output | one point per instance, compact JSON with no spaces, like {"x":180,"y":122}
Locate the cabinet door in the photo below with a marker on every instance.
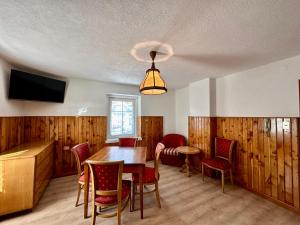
{"x":16,"y":188}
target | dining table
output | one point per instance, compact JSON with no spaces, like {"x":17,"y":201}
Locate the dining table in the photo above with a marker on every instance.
{"x":134,"y":162}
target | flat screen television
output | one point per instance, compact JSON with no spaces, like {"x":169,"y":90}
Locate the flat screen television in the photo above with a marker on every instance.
{"x":27,"y":86}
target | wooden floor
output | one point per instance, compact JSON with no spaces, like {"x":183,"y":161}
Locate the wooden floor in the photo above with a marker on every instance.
{"x":185,"y":201}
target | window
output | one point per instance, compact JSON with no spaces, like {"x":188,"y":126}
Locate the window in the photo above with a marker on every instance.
{"x":122,"y":116}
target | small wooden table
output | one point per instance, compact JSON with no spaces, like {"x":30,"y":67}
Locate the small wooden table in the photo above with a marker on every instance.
{"x":187,"y":150}
{"x":134,"y":162}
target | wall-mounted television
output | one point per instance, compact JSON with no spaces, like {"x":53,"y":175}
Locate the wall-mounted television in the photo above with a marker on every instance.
{"x":27,"y":86}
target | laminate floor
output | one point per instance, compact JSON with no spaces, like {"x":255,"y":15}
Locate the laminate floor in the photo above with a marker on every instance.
{"x":185,"y":201}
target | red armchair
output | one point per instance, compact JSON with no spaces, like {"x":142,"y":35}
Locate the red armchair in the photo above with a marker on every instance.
{"x":223,"y":158}
{"x":169,"y":155}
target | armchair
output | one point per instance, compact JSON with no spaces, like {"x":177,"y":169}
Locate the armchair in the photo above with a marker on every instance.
{"x":169,"y":155}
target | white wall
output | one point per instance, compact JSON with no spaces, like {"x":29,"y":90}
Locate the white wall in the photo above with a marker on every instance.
{"x":193,"y":100}
{"x":83,"y":97}
{"x":161,"y":105}
{"x":89,"y":98}
{"x":269,"y":90}
{"x":182,"y":110}
{"x":199,"y":93}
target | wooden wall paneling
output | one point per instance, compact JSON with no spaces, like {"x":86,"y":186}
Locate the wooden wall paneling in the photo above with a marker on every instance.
{"x":238,"y":154}
{"x":261,"y":156}
{"x":150,"y":137}
{"x":255,"y":153}
{"x":245,"y":181}
{"x":151,"y":133}
{"x":11,"y":132}
{"x":274,"y":156}
{"x":267,"y":162}
{"x":202,"y":131}
{"x":57,"y":153}
{"x":280,"y":160}
{"x":42,"y":128}
{"x":3,"y":131}
{"x":295,"y":161}
{"x":70,"y":130}
{"x":249,"y":152}
{"x":288,"y":187}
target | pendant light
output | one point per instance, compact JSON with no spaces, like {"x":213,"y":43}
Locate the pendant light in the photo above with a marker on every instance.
{"x":153,"y":84}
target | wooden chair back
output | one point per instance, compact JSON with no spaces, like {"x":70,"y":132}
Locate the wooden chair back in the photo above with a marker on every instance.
{"x":224,"y":148}
{"x":81,"y":153}
{"x":127,"y":142}
{"x":106,"y":178}
{"x":159,"y":148}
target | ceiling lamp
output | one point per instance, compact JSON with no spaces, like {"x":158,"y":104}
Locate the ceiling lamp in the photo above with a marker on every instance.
{"x":153,"y":84}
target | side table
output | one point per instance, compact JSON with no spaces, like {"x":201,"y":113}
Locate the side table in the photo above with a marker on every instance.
{"x":187,"y":150}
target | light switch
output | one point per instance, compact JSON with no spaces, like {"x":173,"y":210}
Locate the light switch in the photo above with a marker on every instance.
{"x":286,"y":125}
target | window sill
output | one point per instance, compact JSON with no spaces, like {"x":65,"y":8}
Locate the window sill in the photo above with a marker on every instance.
{"x":116,"y":140}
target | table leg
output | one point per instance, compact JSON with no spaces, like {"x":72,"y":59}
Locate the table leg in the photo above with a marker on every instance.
{"x":183,"y":167}
{"x":187,"y":163}
{"x":141,"y":191}
{"x":86,"y":189}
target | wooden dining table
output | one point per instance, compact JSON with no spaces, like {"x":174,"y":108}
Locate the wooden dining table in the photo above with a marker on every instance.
{"x":134,"y":162}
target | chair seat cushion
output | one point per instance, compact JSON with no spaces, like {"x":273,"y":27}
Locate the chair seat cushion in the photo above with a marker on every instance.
{"x":170,"y":151}
{"x":126,"y":188}
{"x":149,"y":176}
{"x":217,"y":163}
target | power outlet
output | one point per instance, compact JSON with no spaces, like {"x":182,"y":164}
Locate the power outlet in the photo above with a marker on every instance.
{"x":286,"y":125}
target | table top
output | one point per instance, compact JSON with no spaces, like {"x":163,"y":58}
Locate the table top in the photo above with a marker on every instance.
{"x":188,"y":150}
{"x":130,"y":155}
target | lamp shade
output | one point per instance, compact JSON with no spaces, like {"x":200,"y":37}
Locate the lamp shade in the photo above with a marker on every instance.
{"x":153,"y":84}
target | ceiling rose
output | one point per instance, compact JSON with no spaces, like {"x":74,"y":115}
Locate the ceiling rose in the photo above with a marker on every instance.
{"x":141,"y":50}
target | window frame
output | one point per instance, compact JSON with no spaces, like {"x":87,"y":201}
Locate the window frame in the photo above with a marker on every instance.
{"x":122,"y":97}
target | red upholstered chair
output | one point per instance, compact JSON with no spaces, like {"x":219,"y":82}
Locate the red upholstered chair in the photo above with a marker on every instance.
{"x":127,"y":142}
{"x":150,"y":177}
{"x":223,"y":158}
{"x":108,"y":188}
{"x":81,"y":153}
{"x":169,"y":155}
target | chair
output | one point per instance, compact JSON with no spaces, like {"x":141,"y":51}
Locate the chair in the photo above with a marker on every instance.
{"x":150,"y":177}
{"x":170,"y":156}
{"x":223,"y":158}
{"x":108,"y":188}
{"x":81,"y":153}
{"x":127,"y":142}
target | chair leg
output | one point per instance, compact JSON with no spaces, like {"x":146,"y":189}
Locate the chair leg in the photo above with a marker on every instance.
{"x":93,"y":214}
{"x":222,"y":181}
{"x":231,"y":177}
{"x":202,"y":172}
{"x":119,"y":212}
{"x":130,"y":200}
{"x":78,"y":194}
{"x":133,"y":196}
{"x":157,"y":194}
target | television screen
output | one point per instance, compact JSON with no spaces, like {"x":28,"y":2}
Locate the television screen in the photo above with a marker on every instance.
{"x":28,"y":86}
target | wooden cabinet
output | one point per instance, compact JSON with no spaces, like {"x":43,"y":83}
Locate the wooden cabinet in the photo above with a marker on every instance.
{"x":25,"y":172}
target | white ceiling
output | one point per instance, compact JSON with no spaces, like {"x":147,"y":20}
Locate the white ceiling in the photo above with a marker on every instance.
{"x":92,"y":39}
